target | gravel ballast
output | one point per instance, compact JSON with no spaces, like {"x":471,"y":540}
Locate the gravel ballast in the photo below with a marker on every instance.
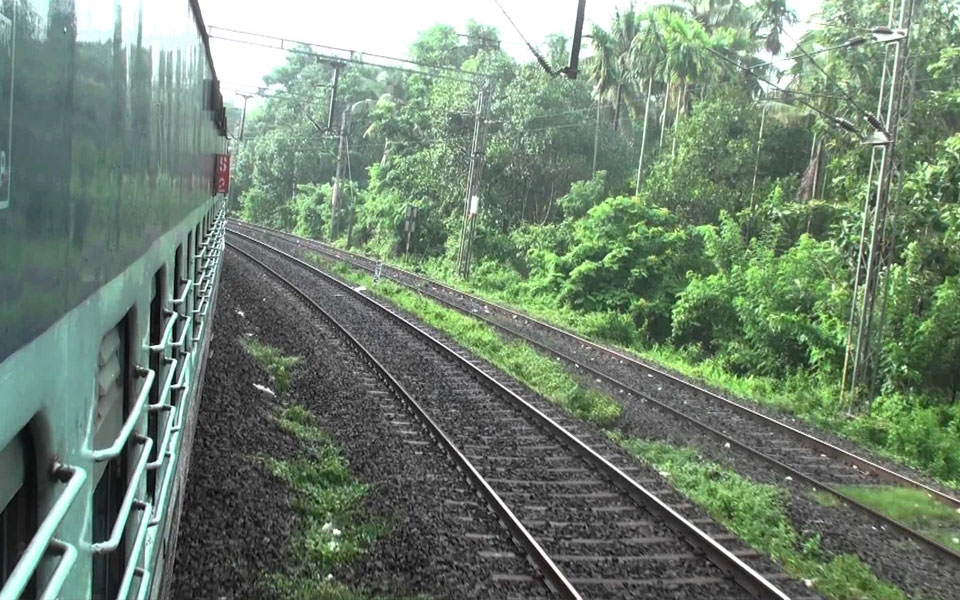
{"x":594,"y":436}
{"x":843,"y":529}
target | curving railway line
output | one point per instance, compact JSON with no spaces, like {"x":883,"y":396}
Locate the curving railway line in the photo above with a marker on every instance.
{"x":786,"y":448}
{"x":580,"y":513}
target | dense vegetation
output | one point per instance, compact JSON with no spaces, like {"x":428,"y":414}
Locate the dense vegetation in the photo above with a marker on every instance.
{"x":734,"y":250}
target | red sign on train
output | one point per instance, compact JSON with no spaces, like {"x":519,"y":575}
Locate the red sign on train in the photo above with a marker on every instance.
{"x":222,"y":185}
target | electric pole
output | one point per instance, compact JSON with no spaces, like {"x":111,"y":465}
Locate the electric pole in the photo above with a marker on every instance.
{"x":866,"y":344}
{"x":410,"y":225}
{"x":596,"y":135}
{"x":243,"y":118}
{"x":337,"y":182}
{"x":336,"y":198}
{"x":471,"y":203}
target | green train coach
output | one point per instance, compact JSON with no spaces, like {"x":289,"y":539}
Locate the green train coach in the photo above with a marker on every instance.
{"x":112,"y":173}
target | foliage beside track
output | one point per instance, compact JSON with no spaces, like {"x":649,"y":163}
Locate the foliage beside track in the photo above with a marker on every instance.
{"x":757,"y":514}
{"x":913,"y":507}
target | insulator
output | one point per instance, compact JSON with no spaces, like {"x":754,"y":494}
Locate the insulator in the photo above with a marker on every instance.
{"x":857,"y":41}
{"x":874,"y":121}
{"x":882,"y":29}
{"x":845,"y":124}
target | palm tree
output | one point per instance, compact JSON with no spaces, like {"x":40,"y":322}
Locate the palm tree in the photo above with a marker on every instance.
{"x":771,"y":16}
{"x":613,"y":68}
{"x":648,"y":53}
{"x":686,"y":41}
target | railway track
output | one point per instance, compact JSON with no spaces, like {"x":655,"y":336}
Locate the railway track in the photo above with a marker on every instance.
{"x":588,"y":526}
{"x":795,"y":453}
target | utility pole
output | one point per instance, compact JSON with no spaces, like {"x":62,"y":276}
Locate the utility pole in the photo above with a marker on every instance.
{"x":337,"y":196}
{"x":573,"y":69}
{"x":410,"y":225}
{"x":243,"y":118}
{"x":333,"y":95}
{"x":756,"y":166}
{"x":865,"y":349}
{"x":643,"y":139}
{"x":471,"y":202}
{"x":596,"y":135}
{"x":337,"y":182}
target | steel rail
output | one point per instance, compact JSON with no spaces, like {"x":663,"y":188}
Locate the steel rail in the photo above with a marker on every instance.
{"x":822,"y":446}
{"x":554,"y":578}
{"x":724,"y":559}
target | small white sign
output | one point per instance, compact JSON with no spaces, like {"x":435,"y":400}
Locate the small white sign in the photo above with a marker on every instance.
{"x":474,"y":205}
{"x":377,"y":272}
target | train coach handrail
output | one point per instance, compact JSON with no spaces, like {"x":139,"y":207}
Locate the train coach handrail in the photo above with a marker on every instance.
{"x":43,"y":539}
{"x":144,"y":583}
{"x":160,"y":508}
{"x":175,"y":418}
{"x":183,"y":336}
{"x":187,"y":286}
{"x":68,"y":557}
{"x":182,"y":382}
{"x":160,"y":346}
{"x":139,"y":542}
{"x":164,"y":395}
{"x":126,"y":505}
{"x":183,"y":387}
{"x":172,"y":417}
{"x":116,"y":448}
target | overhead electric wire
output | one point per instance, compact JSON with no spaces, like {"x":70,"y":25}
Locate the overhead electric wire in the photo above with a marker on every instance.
{"x":349,"y":50}
{"x":842,"y":123}
{"x":851,"y":43}
{"x":340,"y":59}
{"x":870,"y":117}
{"x":536,"y":53}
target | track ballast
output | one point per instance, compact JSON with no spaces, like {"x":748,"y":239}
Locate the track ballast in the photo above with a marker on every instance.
{"x":606,"y":535}
{"x":796,"y":453}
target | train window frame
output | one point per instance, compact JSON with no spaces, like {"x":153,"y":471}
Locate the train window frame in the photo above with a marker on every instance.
{"x":18,"y":505}
{"x":158,"y":364}
{"x":191,"y":264}
{"x":179,"y":284}
{"x":197,"y":239}
{"x":111,"y":478}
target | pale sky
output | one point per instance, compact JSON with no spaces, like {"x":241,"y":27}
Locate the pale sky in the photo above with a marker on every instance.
{"x":388,"y":26}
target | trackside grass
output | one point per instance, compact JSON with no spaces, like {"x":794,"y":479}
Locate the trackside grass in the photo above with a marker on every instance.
{"x":278,"y":366}
{"x":327,"y":498}
{"x":913,"y":507}
{"x":756,"y":513}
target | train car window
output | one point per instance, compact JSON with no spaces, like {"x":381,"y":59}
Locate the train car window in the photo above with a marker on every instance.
{"x":18,"y":505}
{"x":113,"y":382}
{"x":157,"y":365}
{"x":191,"y":274}
{"x":190,"y":255}
{"x":196,"y":267}
{"x":178,"y":285}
